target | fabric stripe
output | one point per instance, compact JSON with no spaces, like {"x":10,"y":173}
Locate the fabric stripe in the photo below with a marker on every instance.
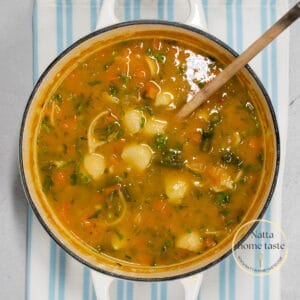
{"x":129,"y":290}
{"x":239,"y":26}
{"x":170,"y":10}
{"x":229,"y":19}
{"x":52,"y":267}
{"x":86,"y":284}
{"x":266,"y":279}
{"x":265,"y":81}
{"x":127,"y":7}
{"x":137,"y":10}
{"x":69,"y":15}
{"x":163,"y":291}
{"x":93,"y":14}
{"x":160,"y":9}
{"x":59,"y":26}
{"x":222,"y":278}
{"x":154,"y":291}
{"x":205,"y":7}
{"x":120,"y":289}
{"x":62,"y":272}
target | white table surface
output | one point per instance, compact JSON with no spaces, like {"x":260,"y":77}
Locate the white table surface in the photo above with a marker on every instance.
{"x":15,"y":88}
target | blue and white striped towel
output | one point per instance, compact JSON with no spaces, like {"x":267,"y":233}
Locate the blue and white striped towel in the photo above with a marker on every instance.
{"x":51,"y":273}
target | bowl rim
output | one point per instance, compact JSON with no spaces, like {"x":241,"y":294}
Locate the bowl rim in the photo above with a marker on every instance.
{"x":94,"y":34}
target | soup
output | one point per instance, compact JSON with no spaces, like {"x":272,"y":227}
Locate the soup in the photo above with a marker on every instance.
{"x":127,"y":179}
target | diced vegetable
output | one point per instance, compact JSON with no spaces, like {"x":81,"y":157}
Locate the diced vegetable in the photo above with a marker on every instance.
{"x":153,"y":65}
{"x":220,"y":179}
{"x":155,"y":126}
{"x":190,"y":241}
{"x":163,"y":99}
{"x":222,"y":199}
{"x":206,"y":142}
{"x":230,"y":158}
{"x":109,"y":98}
{"x":151,"y":89}
{"x":137,"y":155}
{"x":175,"y":187}
{"x":132,"y":120}
{"x":172,"y":158}
{"x":94,"y":164}
{"x":118,"y":241}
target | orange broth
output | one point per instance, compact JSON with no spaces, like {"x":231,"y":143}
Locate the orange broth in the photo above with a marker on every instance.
{"x":128,"y":180}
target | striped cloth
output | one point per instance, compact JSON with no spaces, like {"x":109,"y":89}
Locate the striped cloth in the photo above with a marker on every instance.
{"x":51,"y":273}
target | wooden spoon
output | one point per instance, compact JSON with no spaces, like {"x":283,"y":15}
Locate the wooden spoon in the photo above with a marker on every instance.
{"x":291,"y":16}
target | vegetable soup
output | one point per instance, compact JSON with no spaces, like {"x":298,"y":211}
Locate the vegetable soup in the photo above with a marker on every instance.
{"x":124,"y":176}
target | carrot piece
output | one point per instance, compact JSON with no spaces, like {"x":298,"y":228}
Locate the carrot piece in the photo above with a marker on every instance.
{"x":151,"y":90}
{"x":161,"y":206}
{"x":157,"y":44}
{"x":144,"y":259}
{"x":195,"y":137}
{"x":253,"y":143}
{"x":65,"y":210}
{"x":112,"y":188}
{"x":70,"y":124}
{"x":60,"y":177}
{"x":209,"y":242}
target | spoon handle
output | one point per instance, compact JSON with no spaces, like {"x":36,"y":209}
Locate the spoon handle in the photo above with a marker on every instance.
{"x":284,"y":22}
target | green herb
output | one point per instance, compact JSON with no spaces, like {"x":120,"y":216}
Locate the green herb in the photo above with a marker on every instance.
{"x":158,"y":56}
{"x":113,"y":90}
{"x":214,"y":118}
{"x":79,"y":178}
{"x":127,"y":194}
{"x":201,"y":85}
{"x":206,"y":141}
{"x":94,"y":82}
{"x":261,"y":157}
{"x":120,"y":235}
{"x":125,"y":78}
{"x":180,"y":70}
{"x":222,"y":199}
{"x":48,"y":166}
{"x":73,"y":179}
{"x":161,"y":142}
{"x":46,"y":124}
{"x":86,"y":179}
{"x":172,"y":158}
{"x":57,"y":98}
{"x":80,"y":102}
{"x":95,"y":215}
{"x":167,"y":244}
{"x":47,"y":183}
{"x":149,"y":52}
{"x":120,"y":134}
{"x":230,"y":158}
{"x":148,"y":110}
{"x":229,"y":222}
{"x":142,"y":122}
{"x":112,"y":131}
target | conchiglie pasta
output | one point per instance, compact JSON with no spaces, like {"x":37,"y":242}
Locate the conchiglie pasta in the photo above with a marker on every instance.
{"x":134,"y":121}
{"x":137,"y":156}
